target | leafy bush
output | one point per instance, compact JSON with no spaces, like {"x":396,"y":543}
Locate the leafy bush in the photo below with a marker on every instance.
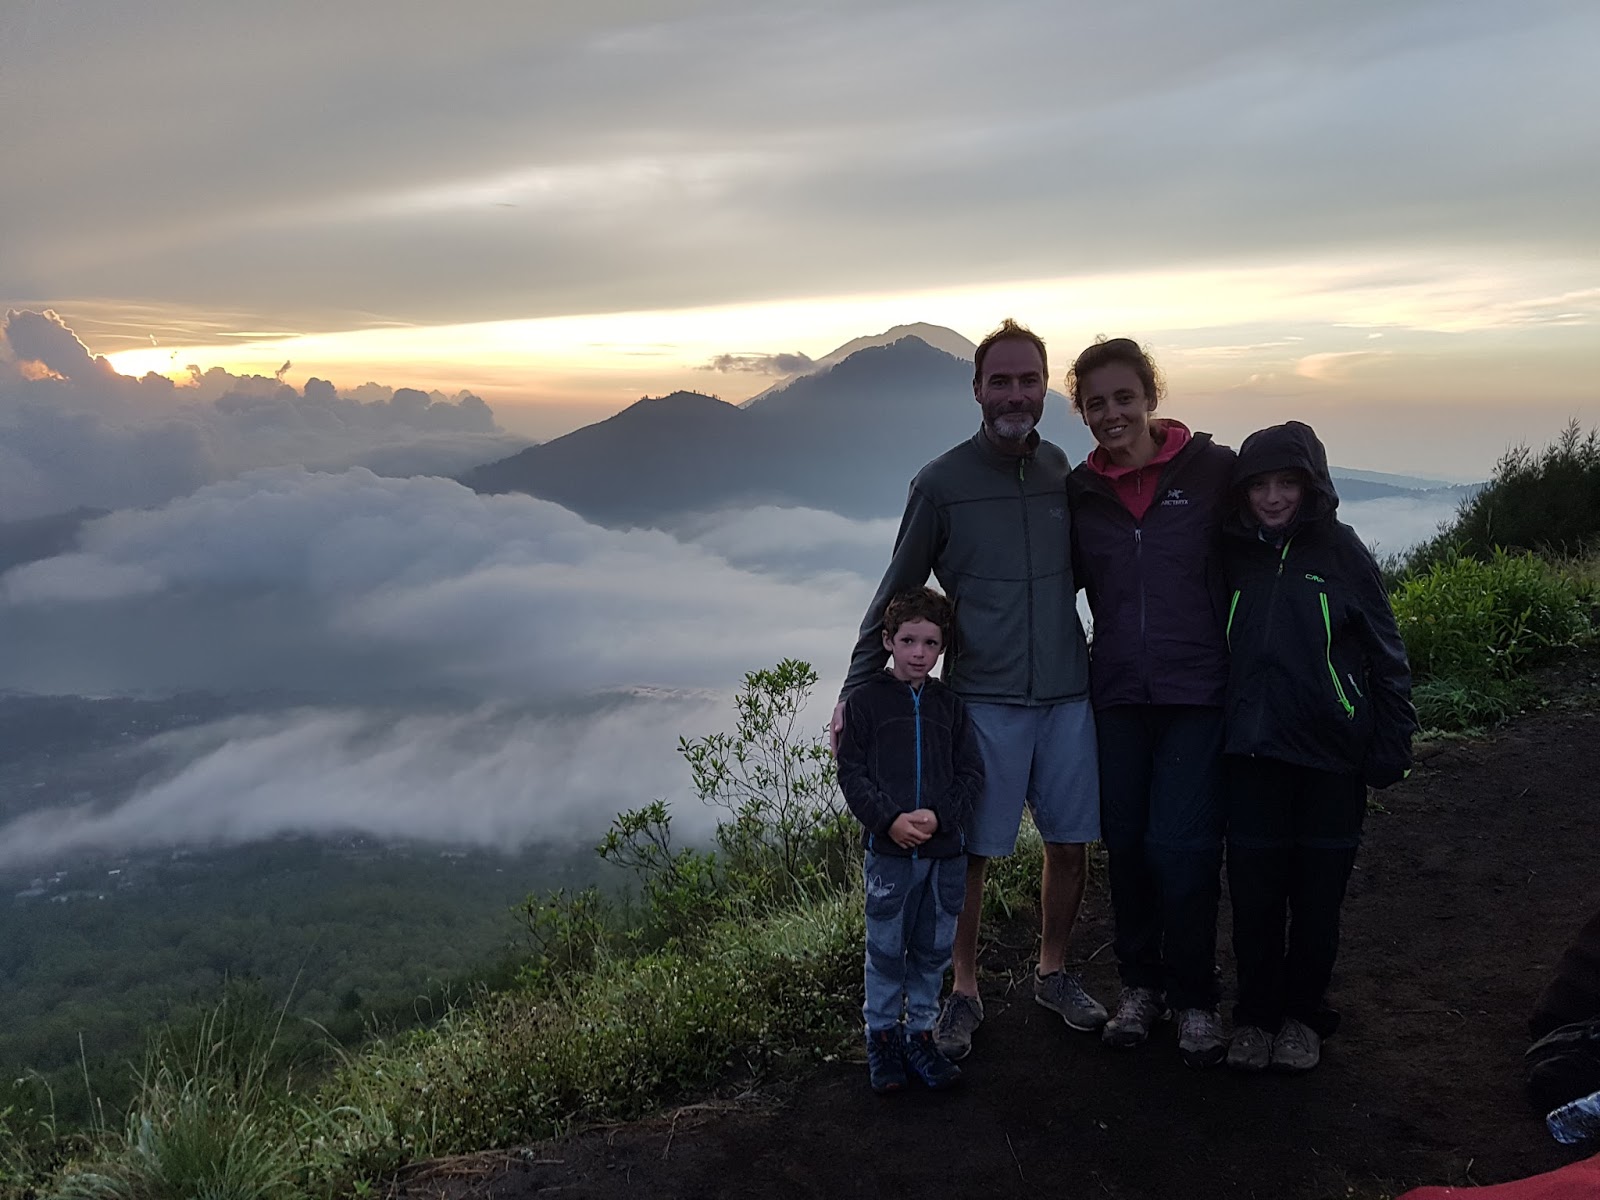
{"x":1471,"y":627}
{"x":788,"y":826}
{"x":1547,"y":502}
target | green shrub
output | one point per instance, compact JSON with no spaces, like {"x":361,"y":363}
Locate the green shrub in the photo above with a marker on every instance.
{"x":1547,"y":502}
{"x":1467,"y":619}
{"x":1472,"y":627}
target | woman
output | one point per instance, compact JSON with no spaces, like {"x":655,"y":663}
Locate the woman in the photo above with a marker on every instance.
{"x":1147,"y":506}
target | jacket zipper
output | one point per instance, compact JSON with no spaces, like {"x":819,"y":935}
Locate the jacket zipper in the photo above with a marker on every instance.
{"x":1232,"y":606}
{"x":1027,"y":558}
{"x":1266,"y":623}
{"x":1338,"y":688}
{"x":1138,"y":564}
{"x":916,"y":716}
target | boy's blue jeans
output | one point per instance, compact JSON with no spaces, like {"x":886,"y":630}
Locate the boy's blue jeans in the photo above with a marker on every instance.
{"x":912,"y":906}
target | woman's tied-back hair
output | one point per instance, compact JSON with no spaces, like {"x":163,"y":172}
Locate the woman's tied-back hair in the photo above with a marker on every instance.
{"x":1008,"y":330}
{"x":1115,"y":350}
{"x":920,"y":604}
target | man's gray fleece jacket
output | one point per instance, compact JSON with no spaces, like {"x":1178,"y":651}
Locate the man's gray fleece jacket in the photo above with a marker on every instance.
{"x":995,"y":532}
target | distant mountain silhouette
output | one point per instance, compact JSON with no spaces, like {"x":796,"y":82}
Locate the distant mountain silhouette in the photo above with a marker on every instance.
{"x":937,"y":336}
{"x":847,"y":438}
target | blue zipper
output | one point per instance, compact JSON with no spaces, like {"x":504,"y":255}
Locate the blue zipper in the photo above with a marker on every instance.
{"x":916,"y":712}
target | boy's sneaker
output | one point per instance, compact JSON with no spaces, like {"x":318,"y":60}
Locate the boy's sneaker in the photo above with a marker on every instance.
{"x":1138,"y":1008}
{"x":1200,"y":1039}
{"x":1297,"y":1047}
{"x":1251,"y":1049}
{"x":1063,"y":992}
{"x":886,"y":1063}
{"x":958,"y":1021}
{"x":922,"y":1059}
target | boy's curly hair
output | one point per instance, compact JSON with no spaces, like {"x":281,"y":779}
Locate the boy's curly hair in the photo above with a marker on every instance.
{"x":920,"y":604}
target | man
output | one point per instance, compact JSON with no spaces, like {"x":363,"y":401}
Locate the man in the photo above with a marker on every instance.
{"x":989,"y":519}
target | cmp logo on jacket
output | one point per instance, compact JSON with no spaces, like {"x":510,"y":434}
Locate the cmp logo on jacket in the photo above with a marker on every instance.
{"x":1174,"y":498}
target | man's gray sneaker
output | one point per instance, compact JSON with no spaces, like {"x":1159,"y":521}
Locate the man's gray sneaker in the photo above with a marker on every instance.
{"x":1250,"y":1050}
{"x":1200,"y":1039}
{"x":1063,"y":992}
{"x":958,"y":1020}
{"x":1138,"y":1009}
{"x":1297,"y":1047}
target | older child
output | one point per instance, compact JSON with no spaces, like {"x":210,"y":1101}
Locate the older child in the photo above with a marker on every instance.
{"x":909,"y":767}
{"x":1318,"y":707}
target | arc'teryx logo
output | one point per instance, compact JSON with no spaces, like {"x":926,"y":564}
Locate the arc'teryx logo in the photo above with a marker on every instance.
{"x":1174,"y":498}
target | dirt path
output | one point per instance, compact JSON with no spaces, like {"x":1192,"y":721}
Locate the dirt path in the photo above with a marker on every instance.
{"x":1469,"y":885}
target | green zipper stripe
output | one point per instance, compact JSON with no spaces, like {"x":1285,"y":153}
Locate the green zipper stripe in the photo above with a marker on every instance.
{"x":1232,"y":606}
{"x":1327,"y":628}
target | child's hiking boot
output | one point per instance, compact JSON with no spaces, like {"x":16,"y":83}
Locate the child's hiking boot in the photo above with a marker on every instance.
{"x":922,"y":1059}
{"x":1297,"y":1047}
{"x":1063,"y":992}
{"x":1138,"y":1008}
{"x":958,"y":1021}
{"x":1250,"y":1049}
{"x":886,"y":1065}
{"x":1200,"y":1039}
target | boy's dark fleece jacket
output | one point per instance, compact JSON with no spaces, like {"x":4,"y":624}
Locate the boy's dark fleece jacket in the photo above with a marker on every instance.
{"x":888,"y":729}
{"x":1319,"y":674}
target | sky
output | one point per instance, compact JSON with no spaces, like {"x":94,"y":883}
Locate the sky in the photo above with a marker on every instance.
{"x":1377,"y":216}
{"x":270,"y":275}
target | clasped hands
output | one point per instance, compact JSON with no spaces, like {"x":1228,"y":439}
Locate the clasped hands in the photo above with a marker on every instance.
{"x":911,"y":829}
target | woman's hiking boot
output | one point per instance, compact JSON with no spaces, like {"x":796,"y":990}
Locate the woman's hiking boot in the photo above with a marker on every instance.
{"x":1250,"y":1050}
{"x":1063,"y":992}
{"x":1138,"y":1008}
{"x":1200,"y":1039}
{"x":886,"y":1064}
{"x":1297,"y":1047}
{"x":922,"y":1059}
{"x":958,"y":1021}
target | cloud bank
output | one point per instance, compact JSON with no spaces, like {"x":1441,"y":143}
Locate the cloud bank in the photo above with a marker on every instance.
{"x":483,"y":670}
{"x":708,"y":152}
{"x":74,"y":433}
{"x":495,"y":778}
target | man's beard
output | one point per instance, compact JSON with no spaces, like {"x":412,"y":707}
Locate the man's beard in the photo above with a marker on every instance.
{"x":1012,"y":427}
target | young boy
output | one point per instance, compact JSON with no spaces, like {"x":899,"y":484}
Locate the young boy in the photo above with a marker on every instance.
{"x":1318,"y":707}
{"x":909,"y":769}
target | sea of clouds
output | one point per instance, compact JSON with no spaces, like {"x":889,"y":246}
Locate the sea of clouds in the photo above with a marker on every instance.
{"x":75,"y":433}
{"x":464,"y":669}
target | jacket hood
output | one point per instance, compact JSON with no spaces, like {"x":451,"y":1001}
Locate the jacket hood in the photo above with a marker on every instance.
{"x":1295,"y":446}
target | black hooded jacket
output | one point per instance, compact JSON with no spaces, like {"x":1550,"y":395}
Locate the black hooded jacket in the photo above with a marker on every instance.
{"x":905,"y":749}
{"x":1318,"y":675}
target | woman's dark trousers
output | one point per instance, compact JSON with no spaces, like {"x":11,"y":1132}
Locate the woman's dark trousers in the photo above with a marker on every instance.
{"x":1292,"y":839}
{"x":1161,"y":820}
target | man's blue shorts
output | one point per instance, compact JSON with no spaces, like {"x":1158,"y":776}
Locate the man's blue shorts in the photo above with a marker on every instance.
{"x":1045,"y":757}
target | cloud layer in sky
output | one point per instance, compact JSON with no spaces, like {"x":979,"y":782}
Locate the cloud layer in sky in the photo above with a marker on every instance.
{"x":492,"y":669}
{"x":75,"y":433}
{"x":488,"y":670}
{"x":625,"y":156}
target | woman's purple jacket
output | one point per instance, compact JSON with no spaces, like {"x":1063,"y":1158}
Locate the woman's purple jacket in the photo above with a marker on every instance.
{"x":1155,"y":586}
